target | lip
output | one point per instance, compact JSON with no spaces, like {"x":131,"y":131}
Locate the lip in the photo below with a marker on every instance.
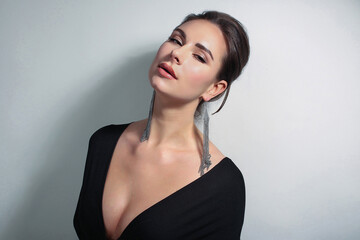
{"x":167,"y":71}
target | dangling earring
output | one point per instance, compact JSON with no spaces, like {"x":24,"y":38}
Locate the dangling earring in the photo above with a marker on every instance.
{"x":146,"y":132}
{"x":205,"y":161}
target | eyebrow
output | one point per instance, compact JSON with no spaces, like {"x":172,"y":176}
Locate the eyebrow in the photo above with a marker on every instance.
{"x":199,"y":45}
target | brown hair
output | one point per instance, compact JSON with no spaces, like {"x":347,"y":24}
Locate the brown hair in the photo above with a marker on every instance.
{"x":238,"y":49}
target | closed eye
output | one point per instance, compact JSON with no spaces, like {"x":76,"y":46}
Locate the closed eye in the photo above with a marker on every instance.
{"x":174,"y":40}
{"x":198,"y":57}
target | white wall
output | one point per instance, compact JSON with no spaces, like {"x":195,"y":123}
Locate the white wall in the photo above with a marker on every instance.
{"x":291,"y":122}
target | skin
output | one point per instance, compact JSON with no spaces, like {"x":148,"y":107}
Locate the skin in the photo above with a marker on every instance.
{"x":142,"y":173}
{"x":176,"y":99}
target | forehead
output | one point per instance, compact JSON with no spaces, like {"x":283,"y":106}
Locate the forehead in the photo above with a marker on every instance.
{"x":206,"y":33}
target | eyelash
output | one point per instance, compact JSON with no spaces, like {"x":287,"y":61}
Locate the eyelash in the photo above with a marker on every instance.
{"x":198,"y":57}
{"x":175,"y":41}
{"x":201,"y":59}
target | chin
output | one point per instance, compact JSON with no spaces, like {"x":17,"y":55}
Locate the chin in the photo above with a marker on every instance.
{"x":157,"y":84}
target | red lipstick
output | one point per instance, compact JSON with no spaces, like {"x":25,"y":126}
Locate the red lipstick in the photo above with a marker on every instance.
{"x":166,"y":71}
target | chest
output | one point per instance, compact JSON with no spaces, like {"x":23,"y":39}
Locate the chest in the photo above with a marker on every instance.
{"x":137,"y":179}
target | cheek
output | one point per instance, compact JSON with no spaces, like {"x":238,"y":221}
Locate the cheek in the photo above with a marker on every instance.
{"x":164,"y":50}
{"x":198,"y":75}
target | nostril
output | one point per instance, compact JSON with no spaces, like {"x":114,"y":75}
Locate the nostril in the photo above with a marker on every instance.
{"x":174,"y":56}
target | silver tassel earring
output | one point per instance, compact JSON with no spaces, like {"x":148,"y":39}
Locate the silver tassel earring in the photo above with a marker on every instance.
{"x":146,"y":133}
{"x":205,"y":161}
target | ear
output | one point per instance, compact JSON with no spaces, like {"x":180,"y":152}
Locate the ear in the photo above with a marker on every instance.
{"x":214,"y":90}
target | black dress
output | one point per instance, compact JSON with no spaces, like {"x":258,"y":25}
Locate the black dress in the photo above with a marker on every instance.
{"x":210,"y":207}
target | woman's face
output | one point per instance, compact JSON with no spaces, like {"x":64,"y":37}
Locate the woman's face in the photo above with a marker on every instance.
{"x":186,"y":65}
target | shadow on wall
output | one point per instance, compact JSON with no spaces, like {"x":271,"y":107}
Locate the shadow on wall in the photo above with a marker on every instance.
{"x":47,"y":210}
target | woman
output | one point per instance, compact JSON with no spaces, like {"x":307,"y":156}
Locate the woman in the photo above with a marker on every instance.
{"x":161,"y":178}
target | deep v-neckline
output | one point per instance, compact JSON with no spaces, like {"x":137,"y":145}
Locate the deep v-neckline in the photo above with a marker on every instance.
{"x":133,"y":221}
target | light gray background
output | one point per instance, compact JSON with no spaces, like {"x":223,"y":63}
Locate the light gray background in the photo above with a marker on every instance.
{"x":291,"y":122}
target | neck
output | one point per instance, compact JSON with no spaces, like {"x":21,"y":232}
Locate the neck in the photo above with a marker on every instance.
{"x":172,"y":124}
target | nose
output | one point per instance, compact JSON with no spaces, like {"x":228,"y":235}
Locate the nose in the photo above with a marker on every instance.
{"x":176,"y":55}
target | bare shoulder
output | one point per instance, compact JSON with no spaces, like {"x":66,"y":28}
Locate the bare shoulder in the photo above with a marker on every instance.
{"x":133,"y":132}
{"x":216,"y":154}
